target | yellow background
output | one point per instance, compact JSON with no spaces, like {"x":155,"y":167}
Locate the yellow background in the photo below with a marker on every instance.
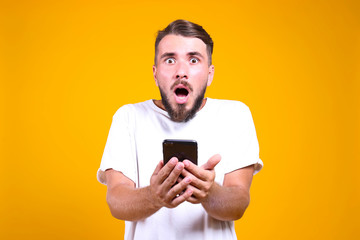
{"x":67,"y":66}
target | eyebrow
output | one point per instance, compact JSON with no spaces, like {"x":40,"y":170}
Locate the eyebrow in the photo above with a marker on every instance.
{"x":195,"y":54}
{"x":167,"y":54}
{"x":172,"y":54}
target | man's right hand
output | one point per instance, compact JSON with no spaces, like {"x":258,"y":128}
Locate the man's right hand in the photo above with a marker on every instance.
{"x":126,"y":202}
{"x":163,"y":192}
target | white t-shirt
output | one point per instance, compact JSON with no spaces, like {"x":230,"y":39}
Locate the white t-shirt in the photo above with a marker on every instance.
{"x":134,"y":147}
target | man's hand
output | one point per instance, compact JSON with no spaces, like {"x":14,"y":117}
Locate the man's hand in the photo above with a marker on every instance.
{"x":226,"y":202}
{"x":163,"y":192}
{"x":126,"y":202}
{"x":202,"y":178}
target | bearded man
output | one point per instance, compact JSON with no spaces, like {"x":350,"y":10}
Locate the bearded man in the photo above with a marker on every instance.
{"x":181,"y":200}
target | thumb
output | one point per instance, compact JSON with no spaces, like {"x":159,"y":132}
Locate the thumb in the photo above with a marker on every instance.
{"x":212,"y":162}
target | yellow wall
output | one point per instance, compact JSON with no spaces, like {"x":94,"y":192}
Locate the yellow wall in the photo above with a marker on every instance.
{"x":67,"y":66}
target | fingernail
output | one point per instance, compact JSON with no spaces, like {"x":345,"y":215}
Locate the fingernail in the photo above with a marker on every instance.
{"x":187,"y":180}
{"x":173,"y":160}
{"x":179,"y":166}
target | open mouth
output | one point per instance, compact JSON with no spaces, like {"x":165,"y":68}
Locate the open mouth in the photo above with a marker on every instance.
{"x":181,"y":94}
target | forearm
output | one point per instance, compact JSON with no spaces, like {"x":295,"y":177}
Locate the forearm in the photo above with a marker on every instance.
{"x":126,"y":202}
{"x":227,"y":203}
{"x":130,"y":204}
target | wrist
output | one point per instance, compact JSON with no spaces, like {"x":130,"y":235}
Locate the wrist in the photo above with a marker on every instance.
{"x":153,"y":201}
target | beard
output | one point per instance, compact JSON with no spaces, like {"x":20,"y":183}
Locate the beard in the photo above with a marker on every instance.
{"x":179,"y":113}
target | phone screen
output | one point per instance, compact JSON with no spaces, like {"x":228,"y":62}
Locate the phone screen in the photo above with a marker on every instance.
{"x":182,"y":149}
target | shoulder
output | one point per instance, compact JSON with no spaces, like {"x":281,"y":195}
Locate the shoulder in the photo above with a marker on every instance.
{"x":228,"y":106}
{"x":129,"y":109}
{"x":230,"y":112}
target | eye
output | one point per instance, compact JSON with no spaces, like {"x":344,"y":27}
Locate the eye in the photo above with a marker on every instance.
{"x":194,"y":60}
{"x":170,"y":60}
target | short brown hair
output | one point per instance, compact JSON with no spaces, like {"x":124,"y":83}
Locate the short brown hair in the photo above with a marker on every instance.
{"x":186,"y":29}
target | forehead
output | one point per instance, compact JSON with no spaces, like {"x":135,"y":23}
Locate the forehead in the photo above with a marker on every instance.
{"x":181,"y":45}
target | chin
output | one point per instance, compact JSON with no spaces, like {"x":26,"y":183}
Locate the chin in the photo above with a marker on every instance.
{"x":182,"y":112}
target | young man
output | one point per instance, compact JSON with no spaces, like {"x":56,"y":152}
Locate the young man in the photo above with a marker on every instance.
{"x":142,"y":190}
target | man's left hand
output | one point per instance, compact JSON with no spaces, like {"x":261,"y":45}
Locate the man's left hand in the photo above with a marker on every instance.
{"x":202,"y":178}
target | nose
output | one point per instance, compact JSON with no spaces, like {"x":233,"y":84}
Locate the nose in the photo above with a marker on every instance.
{"x":181,"y":71}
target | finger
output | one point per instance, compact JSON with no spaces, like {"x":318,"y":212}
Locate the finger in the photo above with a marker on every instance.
{"x":192,"y":200}
{"x":179,"y":193}
{"x":180,"y":178}
{"x":212,"y":162}
{"x":196,"y":181}
{"x":171,"y":163}
{"x":196,"y":171}
{"x":179,"y":188}
{"x":191,"y":167}
{"x":174,"y":175}
{"x":164,"y":172}
{"x":182,"y":197}
{"x":198,"y":194}
{"x":158,"y":167}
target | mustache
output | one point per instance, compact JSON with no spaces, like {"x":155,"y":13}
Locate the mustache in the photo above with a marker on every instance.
{"x":185,"y":83}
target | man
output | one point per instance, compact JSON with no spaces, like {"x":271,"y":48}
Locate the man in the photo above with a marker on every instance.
{"x":180,"y":200}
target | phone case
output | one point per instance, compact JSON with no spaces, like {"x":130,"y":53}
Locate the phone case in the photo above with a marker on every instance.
{"x":182,"y":149}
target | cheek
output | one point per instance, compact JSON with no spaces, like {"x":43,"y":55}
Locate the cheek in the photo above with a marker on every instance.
{"x":200,"y":78}
{"x":200,"y":73}
{"x":163,"y":81}
{"x":164,"y":74}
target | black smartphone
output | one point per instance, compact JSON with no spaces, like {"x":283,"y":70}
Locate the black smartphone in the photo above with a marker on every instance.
{"x":182,"y":149}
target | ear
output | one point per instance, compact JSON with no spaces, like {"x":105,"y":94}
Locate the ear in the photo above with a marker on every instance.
{"x":211,"y":75}
{"x":154,"y":73}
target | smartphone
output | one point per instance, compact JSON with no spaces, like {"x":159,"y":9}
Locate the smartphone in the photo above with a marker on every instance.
{"x":182,"y":149}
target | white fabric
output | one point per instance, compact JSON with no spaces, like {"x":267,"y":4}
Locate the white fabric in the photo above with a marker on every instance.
{"x":134,"y":147}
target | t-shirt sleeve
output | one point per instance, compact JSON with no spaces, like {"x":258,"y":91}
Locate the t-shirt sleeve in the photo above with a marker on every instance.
{"x":119,"y":152}
{"x":243,"y":146}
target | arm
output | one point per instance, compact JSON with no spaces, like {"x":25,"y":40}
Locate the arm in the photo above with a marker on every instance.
{"x":227,"y":202}
{"x":132,"y":204}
